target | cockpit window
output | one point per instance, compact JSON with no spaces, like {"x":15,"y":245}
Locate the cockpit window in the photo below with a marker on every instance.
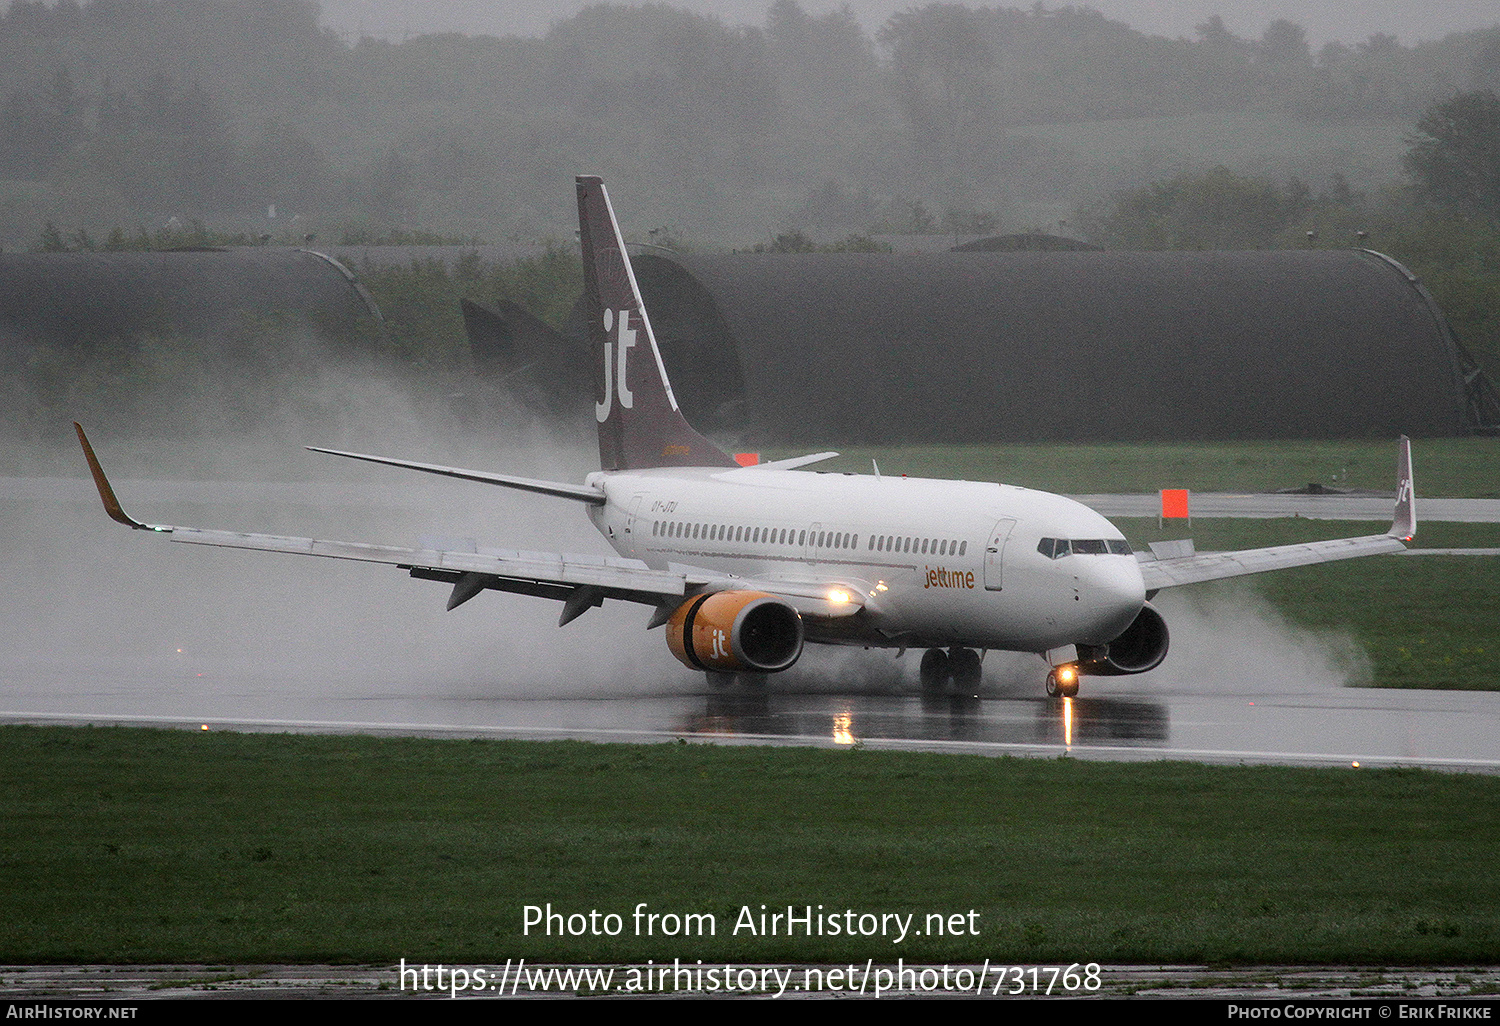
{"x":1057,"y":548}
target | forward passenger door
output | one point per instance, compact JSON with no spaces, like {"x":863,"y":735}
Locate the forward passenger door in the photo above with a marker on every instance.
{"x":994,"y":555}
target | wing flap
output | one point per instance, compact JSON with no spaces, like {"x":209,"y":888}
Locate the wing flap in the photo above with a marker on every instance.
{"x":584,"y":572}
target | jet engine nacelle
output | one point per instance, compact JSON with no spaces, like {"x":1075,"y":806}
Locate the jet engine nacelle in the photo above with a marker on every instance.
{"x":1142,"y":647}
{"x":730,"y":631}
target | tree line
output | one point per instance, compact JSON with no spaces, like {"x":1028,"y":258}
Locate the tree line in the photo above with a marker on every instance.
{"x":125,"y":111}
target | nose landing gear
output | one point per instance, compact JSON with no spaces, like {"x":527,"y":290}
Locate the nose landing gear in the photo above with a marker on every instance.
{"x":1062,"y":681}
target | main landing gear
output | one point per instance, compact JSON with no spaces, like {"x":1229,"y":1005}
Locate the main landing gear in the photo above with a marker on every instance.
{"x":1062,"y":681}
{"x":721,"y":681}
{"x":961,"y":667}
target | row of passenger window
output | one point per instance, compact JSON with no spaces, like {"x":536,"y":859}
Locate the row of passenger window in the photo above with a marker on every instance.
{"x":1056,"y":548}
{"x":734,"y":533}
{"x":919,"y":546}
{"x":820,"y":539}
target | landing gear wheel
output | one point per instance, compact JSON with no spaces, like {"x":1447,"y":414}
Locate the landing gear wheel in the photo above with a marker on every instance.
{"x":965,"y":667}
{"x":934,"y":672}
{"x":719,"y":680}
{"x":1062,"y":682}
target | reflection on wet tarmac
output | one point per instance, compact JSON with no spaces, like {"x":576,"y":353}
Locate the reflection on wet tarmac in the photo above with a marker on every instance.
{"x":103,"y":628}
{"x":849,"y":719}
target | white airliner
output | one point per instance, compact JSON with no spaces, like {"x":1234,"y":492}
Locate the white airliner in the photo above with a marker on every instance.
{"x":743,"y":565}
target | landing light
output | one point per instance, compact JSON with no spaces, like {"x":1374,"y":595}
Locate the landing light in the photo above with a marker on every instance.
{"x":838,"y":596}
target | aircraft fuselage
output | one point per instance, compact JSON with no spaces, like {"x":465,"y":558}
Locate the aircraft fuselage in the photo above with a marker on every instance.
{"x":939,"y":563}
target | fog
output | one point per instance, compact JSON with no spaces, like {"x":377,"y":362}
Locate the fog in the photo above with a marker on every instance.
{"x":102,"y":620}
{"x":93,"y":609}
{"x":1325,"y":20}
{"x":894,"y":120}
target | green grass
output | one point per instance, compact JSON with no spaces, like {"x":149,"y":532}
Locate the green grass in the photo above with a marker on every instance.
{"x":1426,"y":622}
{"x":1444,"y":467}
{"x":159,"y":846}
{"x":1369,"y":155}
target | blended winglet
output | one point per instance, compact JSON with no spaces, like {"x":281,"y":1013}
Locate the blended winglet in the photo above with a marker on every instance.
{"x":1195,"y":568}
{"x":1404,"y":524}
{"x":106,"y":493}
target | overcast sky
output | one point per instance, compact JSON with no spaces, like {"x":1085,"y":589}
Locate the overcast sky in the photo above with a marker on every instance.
{"x":1346,"y":21}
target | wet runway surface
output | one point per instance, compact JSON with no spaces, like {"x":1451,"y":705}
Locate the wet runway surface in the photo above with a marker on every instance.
{"x":1335,"y":727}
{"x":106,"y":625}
{"x":103,"y":625}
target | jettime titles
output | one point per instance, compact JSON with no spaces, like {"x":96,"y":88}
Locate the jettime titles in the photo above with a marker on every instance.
{"x":942,"y":577}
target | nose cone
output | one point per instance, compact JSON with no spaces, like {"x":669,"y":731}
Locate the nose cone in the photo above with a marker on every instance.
{"x":1113,"y":594}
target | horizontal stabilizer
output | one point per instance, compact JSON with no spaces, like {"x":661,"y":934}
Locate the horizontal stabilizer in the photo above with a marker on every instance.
{"x":562,"y":490}
{"x":794,"y":462}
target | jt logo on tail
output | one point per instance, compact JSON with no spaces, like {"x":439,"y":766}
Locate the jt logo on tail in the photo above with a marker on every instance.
{"x":614,"y":369}
{"x":640,"y":425}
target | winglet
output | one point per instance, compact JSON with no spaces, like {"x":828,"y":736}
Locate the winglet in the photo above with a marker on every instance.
{"x":1404,"y":525}
{"x":106,"y":493}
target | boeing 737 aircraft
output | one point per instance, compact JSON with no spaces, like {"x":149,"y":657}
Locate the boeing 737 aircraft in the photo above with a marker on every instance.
{"x":743,"y":565}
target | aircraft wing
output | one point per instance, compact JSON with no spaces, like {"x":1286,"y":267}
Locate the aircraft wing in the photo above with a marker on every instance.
{"x":533,"y":573}
{"x":1213,"y":566}
{"x":579,"y":582}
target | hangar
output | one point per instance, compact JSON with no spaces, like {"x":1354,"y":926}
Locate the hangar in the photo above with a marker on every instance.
{"x":1044,"y":344}
{"x":80,"y":298}
{"x":1061,"y":346}
{"x":128,"y":337}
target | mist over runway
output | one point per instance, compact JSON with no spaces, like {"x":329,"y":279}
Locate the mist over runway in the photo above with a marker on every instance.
{"x":107,"y":626}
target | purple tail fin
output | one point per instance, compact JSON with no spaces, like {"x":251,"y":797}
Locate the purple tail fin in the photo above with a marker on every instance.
{"x":639,"y":423}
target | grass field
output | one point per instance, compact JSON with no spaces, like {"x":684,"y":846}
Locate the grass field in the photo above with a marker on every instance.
{"x":1368,"y":155}
{"x":1429,"y":622}
{"x":1444,"y":467}
{"x":1424,"y":622}
{"x":159,"y":846}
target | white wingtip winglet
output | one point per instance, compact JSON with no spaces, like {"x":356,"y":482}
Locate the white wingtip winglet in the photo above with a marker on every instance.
{"x":1404,"y":525}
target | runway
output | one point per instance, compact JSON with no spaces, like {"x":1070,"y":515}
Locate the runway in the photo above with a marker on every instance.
{"x":105,"y":625}
{"x":1311,"y":507}
{"x":1349,"y":727}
